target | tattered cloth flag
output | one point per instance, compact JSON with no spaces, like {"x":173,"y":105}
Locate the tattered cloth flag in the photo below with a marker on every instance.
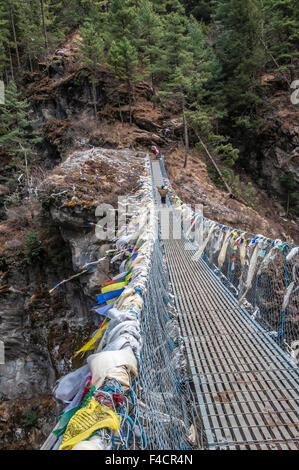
{"x":70,"y":278}
{"x":91,"y":344}
{"x":113,"y":290}
{"x":86,"y":421}
{"x":118,"y":278}
{"x":104,"y":310}
{"x":125,"y":277}
{"x":100,"y":226}
{"x":114,"y":287}
{"x":253,"y":241}
{"x":64,"y":418}
{"x":108,"y":296}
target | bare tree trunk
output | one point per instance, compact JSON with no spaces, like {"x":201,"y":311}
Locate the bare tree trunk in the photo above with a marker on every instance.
{"x":119,"y":107}
{"x":153,"y":82}
{"x":186,"y":135}
{"x":30,"y":63}
{"x":274,"y":60}
{"x":44,"y":24}
{"x":94,"y":99}
{"x":14,"y":35}
{"x":154,"y":91}
{"x":214,"y":163}
{"x":11,"y":66}
{"x":130,"y":104}
{"x":26,"y":169}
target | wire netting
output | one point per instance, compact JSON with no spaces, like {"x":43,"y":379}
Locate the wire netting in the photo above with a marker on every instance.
{"x":166,"y":403}
{"x":263,"y":276}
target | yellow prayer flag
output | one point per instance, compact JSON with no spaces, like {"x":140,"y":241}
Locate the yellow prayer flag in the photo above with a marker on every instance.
{"x":112,"y":287}
{"x":92,"y":342}
{"x":86,"y":421}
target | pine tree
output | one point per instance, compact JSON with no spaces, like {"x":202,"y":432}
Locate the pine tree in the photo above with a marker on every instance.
{"x":4,"y":38}
{"x":30,"y":33}
{"x":150,"y":36}
{"x":200,"y":9}
{"x":281,"y":33}
{"x":13,"y":9}
{"x":123,"y":36}
{"x":173,"y":43}
{"x":122,"y":21}
{"x":92,"y":55}
{"x":205,"y":96}
{"x":44,"y":23}
{"x":204,"y":60}
{"x":123,"y":60}
{"x":241,"y":56}
{"x":90,"y":8}
{"x":63,"y":16}
{"x":52,"y":24}
{"x":17,"y":136}
{"x":289,"y":185}
{"x":176,"y":65}
{"x":168,"y":6}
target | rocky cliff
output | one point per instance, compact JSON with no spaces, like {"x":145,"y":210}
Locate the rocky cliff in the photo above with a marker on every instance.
{"x":275,"y":153}
{"x":42,"y":330}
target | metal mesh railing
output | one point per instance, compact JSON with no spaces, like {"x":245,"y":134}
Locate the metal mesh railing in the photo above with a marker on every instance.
{"x":262,"y":276}
{"x":157,"y":410}
{"x":166,"y":403}
{"x":260,"y":272}
{"x":167,"y":406}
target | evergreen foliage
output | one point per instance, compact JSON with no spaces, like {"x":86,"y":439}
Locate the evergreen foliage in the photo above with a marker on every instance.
{"x":91,"y":50}
{"x":17,"y":136}
{"x":241,"y":55}
{"x":281,"y":32}
{"x":33,"y":246}
{"x":206,"y":55}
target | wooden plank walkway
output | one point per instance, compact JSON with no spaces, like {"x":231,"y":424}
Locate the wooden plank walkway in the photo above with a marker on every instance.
{"x":247,"y":388}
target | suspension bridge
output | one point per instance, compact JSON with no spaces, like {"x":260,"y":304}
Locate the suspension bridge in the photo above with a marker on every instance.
{"x":246,"y":385}
{"x":213,"y":324}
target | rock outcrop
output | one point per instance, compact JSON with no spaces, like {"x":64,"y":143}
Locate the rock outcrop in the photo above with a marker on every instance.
{"x":42,"y":331}
{"x":276,"y":151}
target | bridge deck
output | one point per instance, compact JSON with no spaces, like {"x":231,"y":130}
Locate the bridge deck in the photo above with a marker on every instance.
{"x":247,"y":388}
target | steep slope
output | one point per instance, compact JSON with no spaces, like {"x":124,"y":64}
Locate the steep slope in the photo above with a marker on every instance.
{"x":42,"y":330}
{"x":194,"y":186}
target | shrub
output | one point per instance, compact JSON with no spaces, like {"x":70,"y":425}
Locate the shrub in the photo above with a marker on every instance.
{"x":228,"y":154}
{"x":13,"y":199}
{"x":33,"y":246}
{"x":288,"y":183}
{"x":30,"y":418}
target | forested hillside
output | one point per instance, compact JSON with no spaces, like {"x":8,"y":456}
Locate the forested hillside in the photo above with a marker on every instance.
{"x":221,"y":61}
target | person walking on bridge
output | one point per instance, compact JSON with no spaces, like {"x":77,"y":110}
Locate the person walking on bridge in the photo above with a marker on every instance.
{"x":163,"y":193}
{"x":155,"y":151}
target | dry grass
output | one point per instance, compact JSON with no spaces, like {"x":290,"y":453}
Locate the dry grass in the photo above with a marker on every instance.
{"x":194,"y":186}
